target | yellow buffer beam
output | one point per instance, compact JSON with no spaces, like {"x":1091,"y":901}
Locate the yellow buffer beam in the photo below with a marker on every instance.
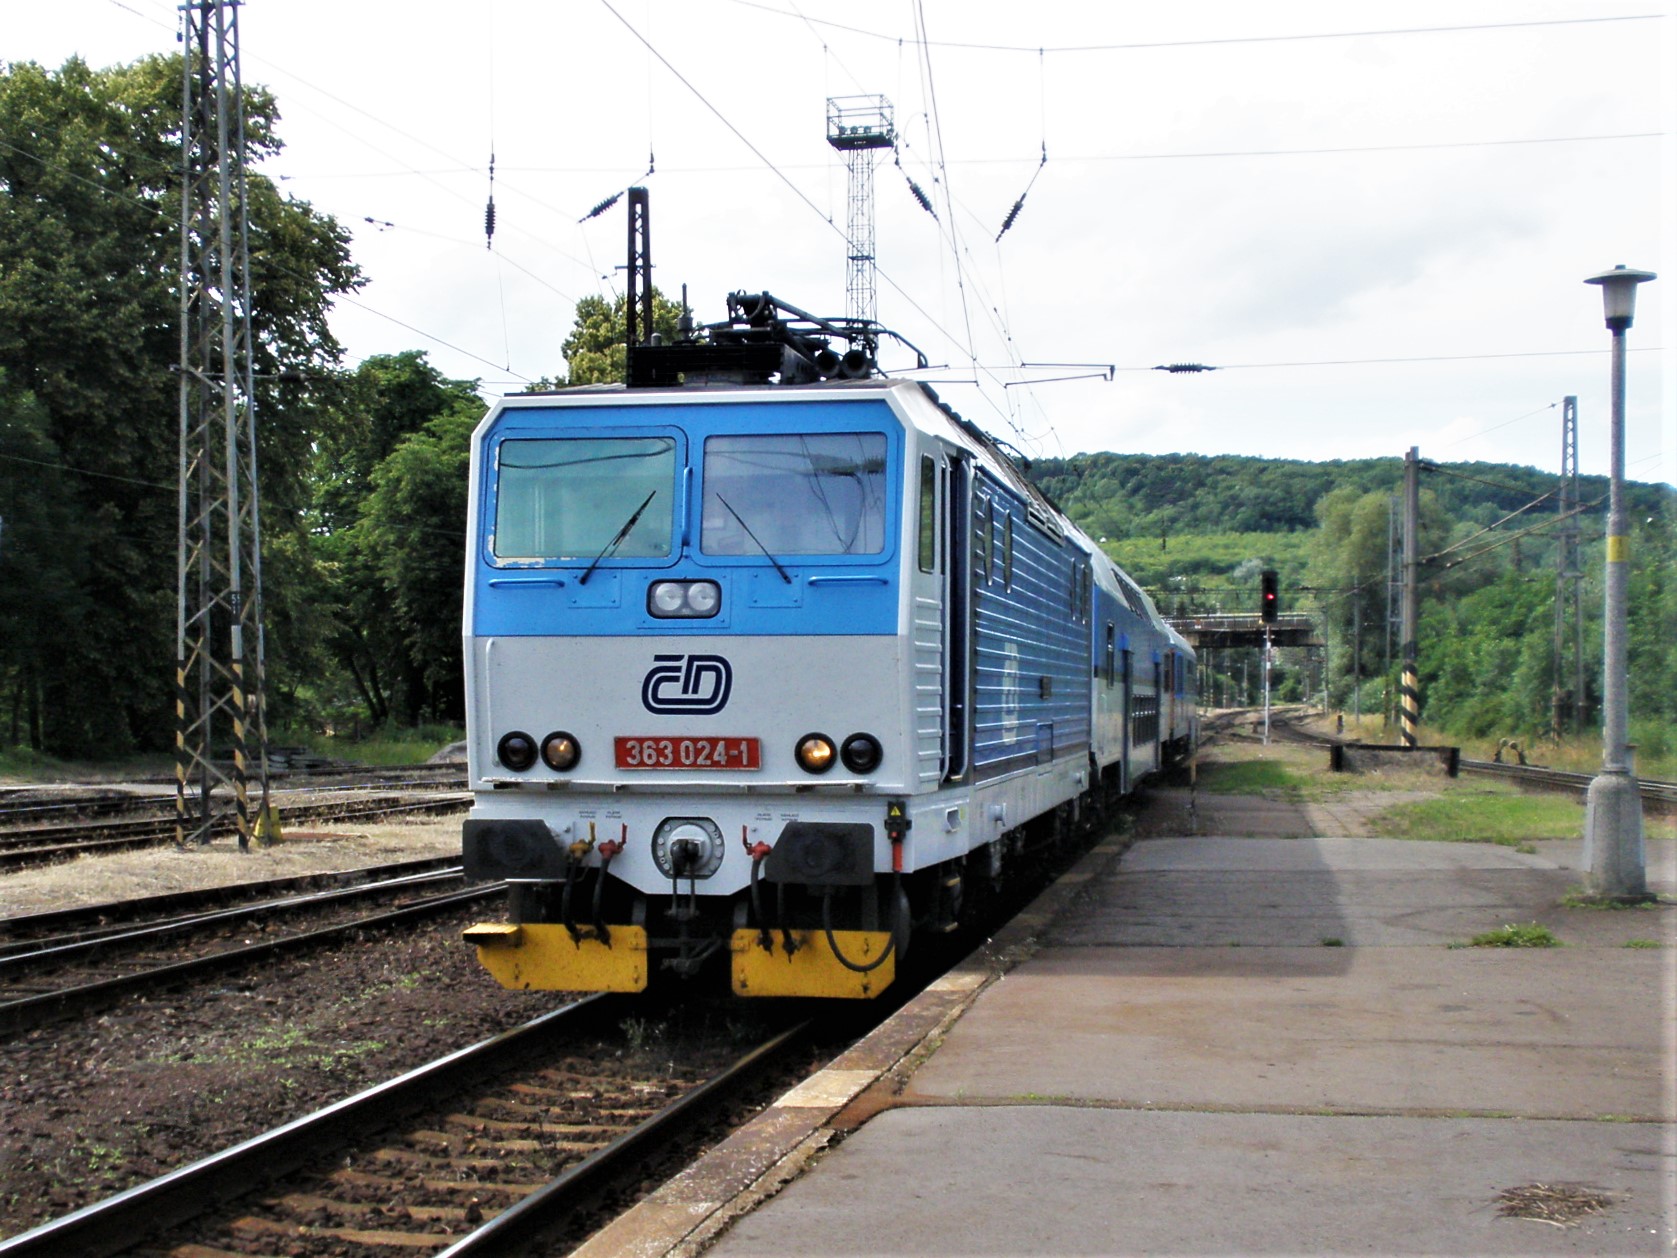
{"x":812,"y":969}
{"x":543,"y":956}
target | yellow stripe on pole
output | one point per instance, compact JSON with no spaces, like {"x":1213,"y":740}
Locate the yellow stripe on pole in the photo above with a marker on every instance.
{"x":1618,"y":549}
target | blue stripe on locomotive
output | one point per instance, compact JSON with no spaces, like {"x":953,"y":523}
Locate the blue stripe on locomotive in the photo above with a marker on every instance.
{"x":1030,"y":649}
{"x":828,"y":594}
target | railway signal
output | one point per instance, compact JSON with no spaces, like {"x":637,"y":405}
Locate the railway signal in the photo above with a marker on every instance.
{"x":1268,"y":599}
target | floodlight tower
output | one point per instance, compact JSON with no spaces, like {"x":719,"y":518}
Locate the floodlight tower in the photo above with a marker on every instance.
{"x":219,"y":648}
{"x":856,"y":127}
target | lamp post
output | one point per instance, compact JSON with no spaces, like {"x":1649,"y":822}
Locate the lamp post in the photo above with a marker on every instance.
{"x":1613,"y":853}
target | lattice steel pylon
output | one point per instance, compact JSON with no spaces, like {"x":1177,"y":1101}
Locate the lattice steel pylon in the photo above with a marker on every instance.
{"x":856,"y":127}
{"x":219,"y":645}
{"x":1569,"y":696}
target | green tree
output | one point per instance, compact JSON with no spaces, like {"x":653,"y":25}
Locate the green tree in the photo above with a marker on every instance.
{"x":89,"y":244}
{"x":414,"y":525}
{"x":594,"y":350}
{"x":382,"y":515}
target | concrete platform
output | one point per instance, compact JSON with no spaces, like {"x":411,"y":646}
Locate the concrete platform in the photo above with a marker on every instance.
{"x":1233,"y":1045}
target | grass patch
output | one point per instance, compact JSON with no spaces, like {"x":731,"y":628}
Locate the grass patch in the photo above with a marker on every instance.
{"x":1251,"y":777}
{"x":380,"y":748}
{"x":1643,"y":943}
{"x":1513,"y":935}
{"x":1582,"y":898}
{"x":1483,"y":814}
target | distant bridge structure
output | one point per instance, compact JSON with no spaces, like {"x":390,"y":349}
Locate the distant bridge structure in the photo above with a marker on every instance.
{"x":1246,"y":630}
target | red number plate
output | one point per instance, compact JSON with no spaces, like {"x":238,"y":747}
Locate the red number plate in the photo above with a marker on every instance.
{"x":689,"y":753}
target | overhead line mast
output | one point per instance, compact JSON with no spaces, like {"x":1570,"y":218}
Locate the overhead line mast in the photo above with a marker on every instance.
{"x":219,"y":644}
{"x":858,"y":126}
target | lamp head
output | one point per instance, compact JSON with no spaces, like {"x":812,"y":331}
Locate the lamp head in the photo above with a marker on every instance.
{"x":1618,"y":293}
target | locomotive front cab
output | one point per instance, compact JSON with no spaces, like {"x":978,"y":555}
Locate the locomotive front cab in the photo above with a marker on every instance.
{"x":691,"y":735}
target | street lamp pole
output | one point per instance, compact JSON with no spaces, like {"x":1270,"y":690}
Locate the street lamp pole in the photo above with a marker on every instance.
{"x":1613,"y":851}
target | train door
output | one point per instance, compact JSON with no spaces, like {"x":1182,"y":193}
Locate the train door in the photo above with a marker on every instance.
{"x":1167,"y":703}
{"x":955,"y":484}
{"x":1127,"y":706}
{"x":928,"y":688}
{"x":1159,"y":711}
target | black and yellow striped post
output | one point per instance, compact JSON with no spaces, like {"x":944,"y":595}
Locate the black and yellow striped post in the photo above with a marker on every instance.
{"x":1409,"y":695}
{"x":1409,"y":698}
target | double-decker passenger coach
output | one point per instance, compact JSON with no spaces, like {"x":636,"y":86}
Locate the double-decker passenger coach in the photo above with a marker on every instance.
{"x":764,"y":678}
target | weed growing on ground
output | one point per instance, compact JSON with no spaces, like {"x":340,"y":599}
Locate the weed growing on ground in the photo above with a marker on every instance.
{"x":1583,"y":898}
{"x":641,"y":1032}
{"x":1514,"y":935}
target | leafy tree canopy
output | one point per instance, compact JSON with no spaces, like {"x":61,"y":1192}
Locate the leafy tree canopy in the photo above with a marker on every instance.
{"x":89,"y":262}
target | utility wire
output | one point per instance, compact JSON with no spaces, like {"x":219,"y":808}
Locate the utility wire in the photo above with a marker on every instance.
{"x":1442,"y":470}
{"x":85,"y":471}
{"x":1455,"y":546}
{"x":159,"y":209}
{"x":1482,"y":432}
{"x":1231,"y":39}
{"x":1514,"y":537}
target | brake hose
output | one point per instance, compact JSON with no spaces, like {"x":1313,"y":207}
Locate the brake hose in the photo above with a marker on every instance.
{"x":890,"y":943}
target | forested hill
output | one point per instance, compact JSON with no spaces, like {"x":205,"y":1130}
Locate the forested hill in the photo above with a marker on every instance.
{"x":1154,"y":495}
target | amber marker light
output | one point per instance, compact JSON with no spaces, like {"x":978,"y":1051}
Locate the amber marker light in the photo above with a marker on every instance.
{"x":815,"y":753}
{"x":561,"y":751}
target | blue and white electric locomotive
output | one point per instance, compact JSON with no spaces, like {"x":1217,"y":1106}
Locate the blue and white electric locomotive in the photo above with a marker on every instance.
{"x":766,"y":679}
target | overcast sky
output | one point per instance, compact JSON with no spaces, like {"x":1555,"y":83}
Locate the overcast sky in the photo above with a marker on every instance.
{"x":1285,"y":191}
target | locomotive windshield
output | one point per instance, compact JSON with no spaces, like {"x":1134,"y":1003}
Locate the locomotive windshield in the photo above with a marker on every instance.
{"x":567,"y":499}
{"x":807,"y":494}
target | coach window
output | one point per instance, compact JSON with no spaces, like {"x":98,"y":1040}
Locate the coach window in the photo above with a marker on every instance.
{"x":928,"y":514}
{"x":804,"y":494}
{"x":568,"y":498}
{"x":1110,"y":665}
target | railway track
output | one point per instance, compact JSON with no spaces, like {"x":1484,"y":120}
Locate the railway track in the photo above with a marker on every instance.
{"x":47,"y":843}
{"x":45,"y":977}
{"x":1657,"y":796}
{"x":22,"y":806}
{"x":475,"y":1153}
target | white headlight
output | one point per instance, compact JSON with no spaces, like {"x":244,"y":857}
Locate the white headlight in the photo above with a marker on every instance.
{"x":692,"y":600}
{"x":703,"y":597}
{"x":665,"y":598}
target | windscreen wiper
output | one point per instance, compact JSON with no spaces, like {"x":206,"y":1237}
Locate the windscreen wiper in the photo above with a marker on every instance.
{"x":617,"y":541}
{"x":784,"y":575}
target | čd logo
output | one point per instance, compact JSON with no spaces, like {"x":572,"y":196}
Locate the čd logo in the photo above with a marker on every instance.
{"x":690,"y":685}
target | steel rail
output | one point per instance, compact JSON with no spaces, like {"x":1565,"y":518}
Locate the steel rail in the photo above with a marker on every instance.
{"x":117,"y":1223}
{"x":1661,"y":795}
{"x":32,"y":1011}
{"x":20,"y":956}
{"x":157,"y":831}
{"x":520,"y":1224}
{"x":113,"y":911}
{"x":37,"y":813}
{"x":154,"y":817}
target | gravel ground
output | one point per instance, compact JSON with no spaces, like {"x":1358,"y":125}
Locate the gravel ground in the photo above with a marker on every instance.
{"x":90,"y":1107}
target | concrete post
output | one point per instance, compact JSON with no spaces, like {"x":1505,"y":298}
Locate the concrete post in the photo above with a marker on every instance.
{"x":1613,"y":847}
